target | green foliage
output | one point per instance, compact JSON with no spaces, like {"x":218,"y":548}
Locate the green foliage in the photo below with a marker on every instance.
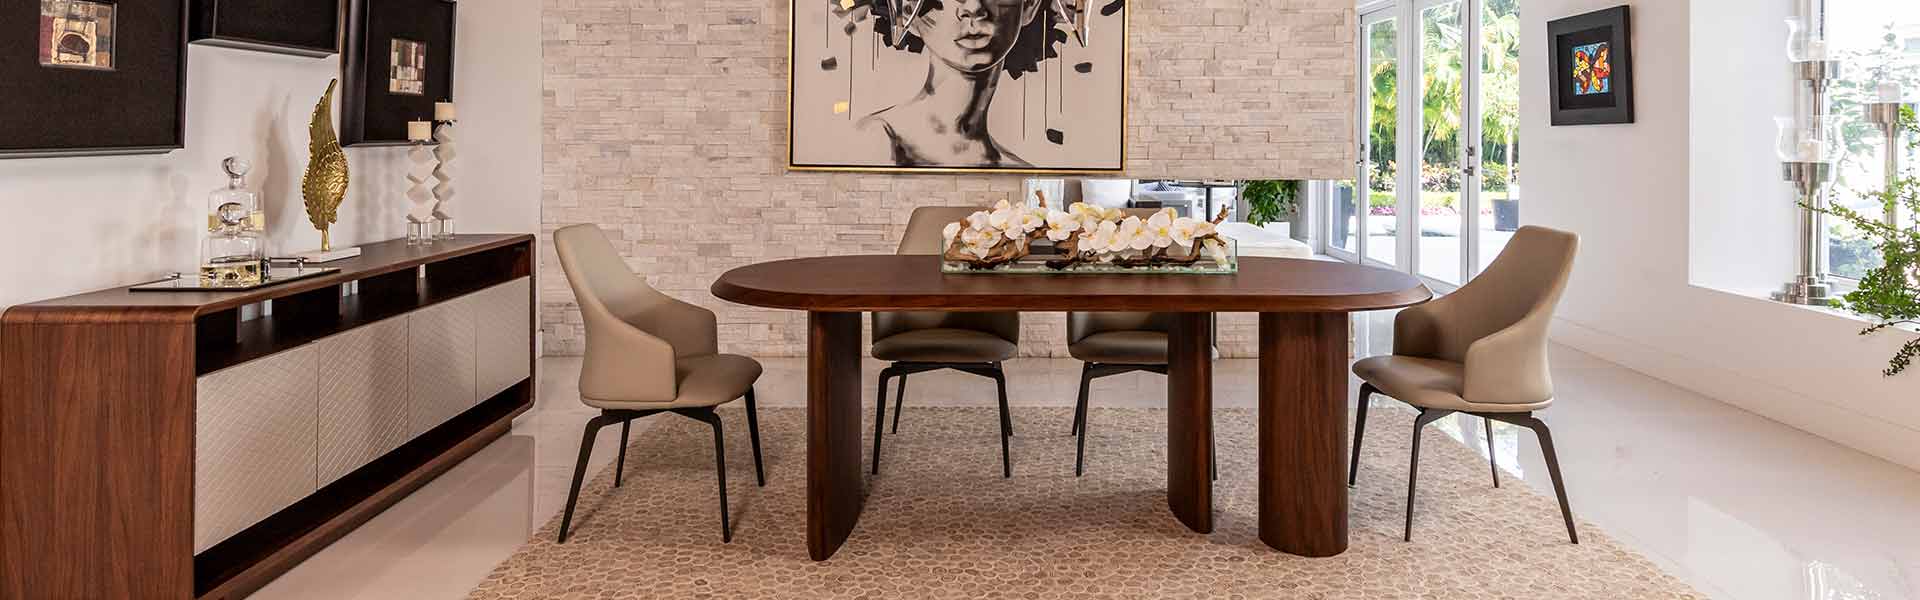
{"x":1443,"y":46}
{"x":1889,"y":292}
{"x":1271,"y":200}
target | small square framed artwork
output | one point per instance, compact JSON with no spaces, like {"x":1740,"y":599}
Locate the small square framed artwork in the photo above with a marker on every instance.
{"x":1592,"y":61}
{"x":91,"y":77}
{"x":397,"y":62}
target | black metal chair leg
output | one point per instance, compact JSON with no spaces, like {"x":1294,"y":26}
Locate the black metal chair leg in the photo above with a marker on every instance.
{"x":1553,"y":467}
{"x":1492,"y":462}
{"x":899,"y":399}
{"x":1080,"y":407}
{"x":1006,"y":423}
{"x":1080,"y":421}
{"x":753,"y":432}
{"x":880,"y":420}
{"x":620,"y":465}
{"x":1427,"y":416}
{"x":1359,"y":431}
{"x":719,"y":465}
{"x":580,"y":468}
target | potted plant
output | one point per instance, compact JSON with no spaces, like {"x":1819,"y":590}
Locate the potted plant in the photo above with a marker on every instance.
{"x":1272,"y":201}
{"x":1890,"y":292}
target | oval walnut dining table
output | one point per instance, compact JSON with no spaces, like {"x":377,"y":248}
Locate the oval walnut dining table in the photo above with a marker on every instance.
{"x":1303,"y":306}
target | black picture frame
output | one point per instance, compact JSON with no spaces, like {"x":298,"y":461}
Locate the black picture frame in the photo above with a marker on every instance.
{"x":138,"y":106}
{"x":308,"y":28}
{"x":1576,"y":101}
{"x":371,"y":114}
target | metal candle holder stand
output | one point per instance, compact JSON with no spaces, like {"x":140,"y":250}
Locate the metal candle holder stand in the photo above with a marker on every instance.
{"x":1810,"y":287}
{"x":1886,"y":116}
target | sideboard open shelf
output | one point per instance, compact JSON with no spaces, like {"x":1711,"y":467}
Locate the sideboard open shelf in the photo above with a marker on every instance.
{"x":198,"y":444}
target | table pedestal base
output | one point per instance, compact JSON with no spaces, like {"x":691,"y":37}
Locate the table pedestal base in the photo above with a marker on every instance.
{"x":1303,"y":433}
{"x":835,"y":491}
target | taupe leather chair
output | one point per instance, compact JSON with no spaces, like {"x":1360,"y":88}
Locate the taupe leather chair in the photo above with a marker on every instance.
{"x":648,"y":353}
{"x":1482,"y":351}
{"x":1112,"y":343}
{"x":917,"y":342}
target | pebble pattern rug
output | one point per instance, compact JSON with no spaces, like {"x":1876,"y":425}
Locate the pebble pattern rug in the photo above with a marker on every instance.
{"x":940,"y":522}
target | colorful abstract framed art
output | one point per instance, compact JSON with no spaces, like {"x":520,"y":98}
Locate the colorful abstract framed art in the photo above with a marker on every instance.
{"x":92,"y":77}
{"x":397,"y":63}
{"x":1592,"y":61}
{"x":919,"y":86}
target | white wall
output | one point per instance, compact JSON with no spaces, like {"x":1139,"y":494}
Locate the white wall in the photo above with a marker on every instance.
{"x":1632,"y":300}
{"x":77,"y":224}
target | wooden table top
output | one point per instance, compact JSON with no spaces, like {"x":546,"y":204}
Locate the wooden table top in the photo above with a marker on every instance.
{"x":890,"y":282}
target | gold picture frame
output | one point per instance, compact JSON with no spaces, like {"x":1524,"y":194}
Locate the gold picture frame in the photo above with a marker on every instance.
{"x":1078,"y":32}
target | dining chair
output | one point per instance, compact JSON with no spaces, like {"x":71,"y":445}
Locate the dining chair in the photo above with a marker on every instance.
{"x":917,"y":342}
{"x":648,"y":353}
{"x":1481,"y":351}
{"x":1114,"y":343}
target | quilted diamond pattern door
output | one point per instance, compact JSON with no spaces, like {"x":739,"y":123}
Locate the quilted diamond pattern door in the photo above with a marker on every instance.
{"x":364,"y":396}
{"x":504,"y":337}
{"x":441,"y":351}
{"x":253,"y":444}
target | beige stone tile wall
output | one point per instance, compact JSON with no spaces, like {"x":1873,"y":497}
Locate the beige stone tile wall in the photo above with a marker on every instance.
{"x":665,"y":123}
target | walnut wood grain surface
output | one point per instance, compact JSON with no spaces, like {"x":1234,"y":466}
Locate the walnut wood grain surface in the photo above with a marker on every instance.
{"x":889,"y":282}
{"x":1303,"y":433}
{"x":375,"y":259}
{"x":1190,"y":420}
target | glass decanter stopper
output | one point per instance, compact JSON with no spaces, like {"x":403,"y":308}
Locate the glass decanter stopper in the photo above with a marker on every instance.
{"x":236,"y":193}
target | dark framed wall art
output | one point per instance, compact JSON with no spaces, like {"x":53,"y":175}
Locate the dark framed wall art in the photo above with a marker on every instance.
{"x":397,"y":63}
{"x":92,"y":77}
{"x":297,"y":27}
{"x":1024,"y":86}
{"x":1592,"y":61}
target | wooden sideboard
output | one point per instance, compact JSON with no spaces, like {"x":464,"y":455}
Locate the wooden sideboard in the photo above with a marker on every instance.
{"x":198,"y":444}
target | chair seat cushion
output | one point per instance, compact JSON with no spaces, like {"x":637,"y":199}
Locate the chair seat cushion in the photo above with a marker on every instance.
{"x":1428,"y":383}
{"x":944,"y":345}
{"x":709,"y":380}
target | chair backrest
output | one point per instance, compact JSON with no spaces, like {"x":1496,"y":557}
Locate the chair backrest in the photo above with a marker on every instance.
{"x":1524,"y":282}
{"x":1083,"y":324}
{"x":923,"y":237}
{"x":601,"y":280}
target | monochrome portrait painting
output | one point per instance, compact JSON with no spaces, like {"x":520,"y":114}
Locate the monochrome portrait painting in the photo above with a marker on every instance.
{"x":958,"y":85}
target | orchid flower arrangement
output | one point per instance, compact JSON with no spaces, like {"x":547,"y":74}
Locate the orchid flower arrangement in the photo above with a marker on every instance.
{"x":1083,"y":234}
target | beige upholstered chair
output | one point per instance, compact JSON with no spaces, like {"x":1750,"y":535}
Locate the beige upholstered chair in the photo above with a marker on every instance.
{"x":917,"y":342}
{"x":1482,"y":351}
{"x":648,"y":353}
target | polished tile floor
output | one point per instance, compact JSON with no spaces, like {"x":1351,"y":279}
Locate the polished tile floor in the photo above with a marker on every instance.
{"x":1737,"y":505}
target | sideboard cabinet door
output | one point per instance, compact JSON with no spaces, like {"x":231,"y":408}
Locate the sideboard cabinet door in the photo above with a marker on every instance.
{"x":505,"y":337}
{"x":254,"y":448}
{"x":441,"y":362}
{"x":364,"y":396}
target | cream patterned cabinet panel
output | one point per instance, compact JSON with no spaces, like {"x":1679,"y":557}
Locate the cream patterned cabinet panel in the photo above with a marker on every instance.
{"x":253,"y":444}
{"x":504,"y":343}
{"x":364,"y":396}
{"x":441,"y":362}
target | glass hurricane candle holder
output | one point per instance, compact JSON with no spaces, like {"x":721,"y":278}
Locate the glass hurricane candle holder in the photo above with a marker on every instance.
{"x":1808,"y":140}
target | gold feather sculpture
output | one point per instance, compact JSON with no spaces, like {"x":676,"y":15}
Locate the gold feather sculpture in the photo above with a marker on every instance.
{"x":325,"y":184}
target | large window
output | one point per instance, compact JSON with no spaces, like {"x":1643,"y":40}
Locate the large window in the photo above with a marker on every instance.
{"x":1879,"y":42}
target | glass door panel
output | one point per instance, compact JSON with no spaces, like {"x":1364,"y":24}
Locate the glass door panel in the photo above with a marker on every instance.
{"x":1381,"y":121}
{"x":1499,"y":103}
{"x":1346,"y":219}
{"x":1438,"y":221}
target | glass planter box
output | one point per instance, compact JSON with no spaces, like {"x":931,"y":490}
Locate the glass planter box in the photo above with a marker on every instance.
{"x":1037,"y":263}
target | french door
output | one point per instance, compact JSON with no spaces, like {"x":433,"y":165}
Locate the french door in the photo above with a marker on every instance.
{"x":1436,"y":109}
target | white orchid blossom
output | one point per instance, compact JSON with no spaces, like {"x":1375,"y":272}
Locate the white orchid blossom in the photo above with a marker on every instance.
{"x":1217,"y":250}
{"x":1160,"y":228}
{"x":1102,"y":238}
{"x":1137,"y":235}
{"x":1060,"y":226}
{"x":1183,"y":231}
{"x":948,"y":233}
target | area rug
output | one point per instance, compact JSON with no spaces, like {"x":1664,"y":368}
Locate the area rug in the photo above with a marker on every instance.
{"x":940,"y":522}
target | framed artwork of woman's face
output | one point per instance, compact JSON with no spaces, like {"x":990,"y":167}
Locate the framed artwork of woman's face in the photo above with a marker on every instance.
{"x":958,"y":85}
